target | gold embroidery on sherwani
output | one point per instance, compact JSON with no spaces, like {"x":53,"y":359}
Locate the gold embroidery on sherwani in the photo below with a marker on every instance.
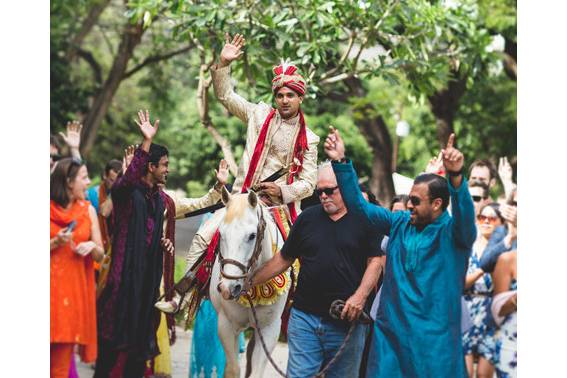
{"x":279,"y":143}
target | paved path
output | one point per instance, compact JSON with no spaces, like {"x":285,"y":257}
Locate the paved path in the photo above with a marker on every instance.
{"x":180,"y":358}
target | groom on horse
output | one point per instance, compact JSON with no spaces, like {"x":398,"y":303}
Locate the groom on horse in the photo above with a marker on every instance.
{"x":277,"y":139}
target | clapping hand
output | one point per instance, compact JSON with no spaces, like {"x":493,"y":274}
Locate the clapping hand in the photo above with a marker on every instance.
{"x":453,"y":159}
{"x":222,"y":173}
{"x":73,"y":136}
{"x":231,"y":50}
{"x":334,"y":145}
{"x":148,"y":131}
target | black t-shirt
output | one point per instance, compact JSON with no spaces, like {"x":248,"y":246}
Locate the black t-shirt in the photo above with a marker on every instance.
{"x":333,"y":257}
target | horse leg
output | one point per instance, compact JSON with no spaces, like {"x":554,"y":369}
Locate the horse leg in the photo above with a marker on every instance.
{"x":270,"y":334}
{"x":229,"y":340}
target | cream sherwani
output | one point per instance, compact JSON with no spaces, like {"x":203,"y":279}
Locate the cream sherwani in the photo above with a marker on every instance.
{"x":277,"y":153}
{"x":187,"y":205}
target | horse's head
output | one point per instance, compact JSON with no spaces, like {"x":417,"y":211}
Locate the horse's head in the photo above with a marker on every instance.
{"x":240,"y":243}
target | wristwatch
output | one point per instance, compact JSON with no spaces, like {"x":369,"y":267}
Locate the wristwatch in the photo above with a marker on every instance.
{"x":341,"y":161}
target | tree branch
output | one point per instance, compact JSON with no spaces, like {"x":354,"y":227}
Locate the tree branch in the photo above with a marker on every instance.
{"x":86,"y":27}
{"x":203,"y":107}
{"x":351,"y":39}
{"x":157,"y":58}
{"x":90,"y":59}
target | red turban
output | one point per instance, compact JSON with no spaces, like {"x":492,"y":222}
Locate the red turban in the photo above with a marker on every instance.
{"x":286,"y":76}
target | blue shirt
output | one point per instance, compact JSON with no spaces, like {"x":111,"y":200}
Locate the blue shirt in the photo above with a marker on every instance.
{"x":418,"y":322}
{"x":92,"y":196}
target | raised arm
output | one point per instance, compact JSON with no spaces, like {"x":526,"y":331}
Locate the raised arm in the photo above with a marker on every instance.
{"x":222,"y":82}
{"x":187,"y":205}
{"x":73,"y":138}
{"x":462,"y":207}
{"x":379,"y":218}
{"x":500,"y":241}
{"x":505,"y":173}
{"x":137,"y":167}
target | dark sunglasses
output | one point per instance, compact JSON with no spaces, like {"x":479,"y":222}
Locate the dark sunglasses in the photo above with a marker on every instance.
{"x":56,"y":157}
{"x":514,"y":203}
{"x":484,"y":218}
{"x":477,"y":198}
{"x":414,"y":200}
{"x":327,"y":191}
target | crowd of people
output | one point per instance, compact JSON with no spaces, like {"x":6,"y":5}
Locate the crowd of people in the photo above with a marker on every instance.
{"x":435,"y":272}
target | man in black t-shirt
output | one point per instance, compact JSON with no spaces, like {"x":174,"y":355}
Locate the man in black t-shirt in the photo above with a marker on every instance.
{"x":340,"y":259}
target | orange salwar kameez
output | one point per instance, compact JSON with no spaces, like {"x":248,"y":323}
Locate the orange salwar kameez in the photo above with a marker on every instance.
{"x":72,"y":290}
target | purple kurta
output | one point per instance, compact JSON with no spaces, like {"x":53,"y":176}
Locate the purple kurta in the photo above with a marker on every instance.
{"x":122,"y":202}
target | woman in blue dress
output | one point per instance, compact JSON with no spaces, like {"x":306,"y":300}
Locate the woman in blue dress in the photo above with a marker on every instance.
{"x":478,"y":340}
{"x":207,"y":358}
{"x":504,"y":310}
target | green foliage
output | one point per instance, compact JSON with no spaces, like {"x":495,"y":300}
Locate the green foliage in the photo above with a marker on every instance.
{"x":411,"y":48}
{"x":356,"y":145}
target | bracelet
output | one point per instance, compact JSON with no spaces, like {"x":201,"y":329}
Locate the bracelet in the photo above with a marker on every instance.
{"x":454,"y":174}
{"x":341,"y":161}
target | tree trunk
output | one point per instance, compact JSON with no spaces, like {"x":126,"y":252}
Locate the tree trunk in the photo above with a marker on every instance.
{"x":511,"y":59}
{"x":444,"y":105}
{"x":131,"y":37}
{"x":375,"y":131}
{"x":378,"y":137}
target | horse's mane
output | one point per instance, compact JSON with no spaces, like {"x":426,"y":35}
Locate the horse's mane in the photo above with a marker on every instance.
{"x":238,"y":204}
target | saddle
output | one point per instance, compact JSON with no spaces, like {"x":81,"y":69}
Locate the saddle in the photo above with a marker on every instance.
{"x":197,"y":279}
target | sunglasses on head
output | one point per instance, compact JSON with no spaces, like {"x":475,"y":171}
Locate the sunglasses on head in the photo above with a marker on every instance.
{"x":327,"y":191}
{"x":484,"y":218}
{"x":74,"y":162}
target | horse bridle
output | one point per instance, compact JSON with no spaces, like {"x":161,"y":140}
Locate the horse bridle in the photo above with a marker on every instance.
{"x":255,"y":254}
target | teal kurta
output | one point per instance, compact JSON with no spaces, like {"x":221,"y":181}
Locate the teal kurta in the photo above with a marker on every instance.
{"x":417,"y":332}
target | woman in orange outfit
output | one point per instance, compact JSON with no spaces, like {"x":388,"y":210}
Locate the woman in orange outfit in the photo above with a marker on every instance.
{"x":72,"y":283}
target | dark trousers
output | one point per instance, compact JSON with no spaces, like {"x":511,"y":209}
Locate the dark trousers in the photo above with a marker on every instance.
{"x":118,"y":364}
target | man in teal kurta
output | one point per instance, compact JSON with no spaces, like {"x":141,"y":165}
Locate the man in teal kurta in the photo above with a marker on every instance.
{"x":417,"y":327}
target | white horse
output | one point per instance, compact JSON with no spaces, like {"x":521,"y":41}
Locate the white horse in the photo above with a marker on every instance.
{"x":241,"y":253}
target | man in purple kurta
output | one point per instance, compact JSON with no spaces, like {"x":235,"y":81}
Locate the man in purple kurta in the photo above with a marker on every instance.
{"x":127,"y":320}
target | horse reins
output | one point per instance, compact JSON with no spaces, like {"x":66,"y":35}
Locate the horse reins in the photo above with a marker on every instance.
{"x":334,"y":311}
